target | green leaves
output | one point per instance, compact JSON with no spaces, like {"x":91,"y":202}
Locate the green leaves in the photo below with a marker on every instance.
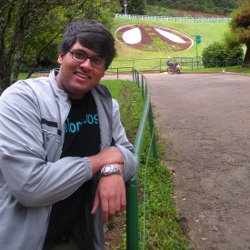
{"x":219,"y":55}
{"x":31,"y":31}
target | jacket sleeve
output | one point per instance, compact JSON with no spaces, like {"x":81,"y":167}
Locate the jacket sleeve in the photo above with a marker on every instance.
{"x":121,"y":141}
{"x":32,"y":180}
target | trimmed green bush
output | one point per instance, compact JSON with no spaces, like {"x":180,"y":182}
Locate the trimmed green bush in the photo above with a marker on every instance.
{"x":218,"y":55}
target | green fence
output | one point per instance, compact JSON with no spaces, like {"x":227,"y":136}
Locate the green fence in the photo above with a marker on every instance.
{"x":187,"y":63}
{"x":176,"y":19}
{"x":154,"y":64}
{"x":132,"y":185}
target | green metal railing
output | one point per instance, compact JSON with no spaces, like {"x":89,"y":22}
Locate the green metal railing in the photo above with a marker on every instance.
{"x":132,"y":185}
{"x":154,"y":64}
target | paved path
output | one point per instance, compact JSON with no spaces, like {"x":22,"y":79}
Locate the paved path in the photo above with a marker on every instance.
{"x":204,"y":120}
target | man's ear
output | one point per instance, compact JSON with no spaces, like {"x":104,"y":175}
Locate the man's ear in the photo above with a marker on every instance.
{"x":60,"y":58}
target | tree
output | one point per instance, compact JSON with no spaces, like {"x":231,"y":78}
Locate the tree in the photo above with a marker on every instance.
{"x":210,"y":6}
{"x":137,"y":7}
{"x":29,"y":27}
{"x":239,"y":29}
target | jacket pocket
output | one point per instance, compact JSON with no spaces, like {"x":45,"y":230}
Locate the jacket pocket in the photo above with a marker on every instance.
{"x":52,"y":140}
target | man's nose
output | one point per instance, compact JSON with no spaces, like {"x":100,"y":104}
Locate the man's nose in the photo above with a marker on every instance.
{"x":87,"y":63}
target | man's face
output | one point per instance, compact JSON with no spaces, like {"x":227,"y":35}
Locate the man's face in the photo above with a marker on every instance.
{"x":77,"y":78}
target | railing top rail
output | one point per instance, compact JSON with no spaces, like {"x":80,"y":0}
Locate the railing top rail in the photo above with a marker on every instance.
{"x":143,"y":122}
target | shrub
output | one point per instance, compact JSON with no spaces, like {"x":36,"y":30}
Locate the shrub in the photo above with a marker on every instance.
{"x":218,"y":55}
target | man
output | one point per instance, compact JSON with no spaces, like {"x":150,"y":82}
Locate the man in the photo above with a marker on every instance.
{"x":169,"y":64}
{"x":64,"y":154}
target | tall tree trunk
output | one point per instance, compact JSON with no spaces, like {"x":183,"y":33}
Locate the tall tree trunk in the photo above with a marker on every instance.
{"x":246,"y":62}
{"x":5,"y":79}
{"x":5,"y":70}
{"x":17,"y":65}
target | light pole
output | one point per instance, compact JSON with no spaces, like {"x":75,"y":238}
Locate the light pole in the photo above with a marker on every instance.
{"x":125,"y":7}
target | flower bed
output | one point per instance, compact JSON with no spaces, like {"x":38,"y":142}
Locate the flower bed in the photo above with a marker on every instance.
{"x":153,"y":38}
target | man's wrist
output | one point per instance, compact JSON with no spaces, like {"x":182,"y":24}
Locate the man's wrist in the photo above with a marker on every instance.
{"x":110,"y":169}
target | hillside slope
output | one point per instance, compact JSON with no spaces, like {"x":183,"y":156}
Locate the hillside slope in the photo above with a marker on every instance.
{"x":223,"y":7}
{"x":209,"y":33}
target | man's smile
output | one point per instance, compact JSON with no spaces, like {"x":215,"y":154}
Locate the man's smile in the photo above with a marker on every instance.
{"x":81,"y":75}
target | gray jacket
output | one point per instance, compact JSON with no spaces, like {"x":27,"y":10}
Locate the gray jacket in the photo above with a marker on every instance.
{"x":32,"y":175}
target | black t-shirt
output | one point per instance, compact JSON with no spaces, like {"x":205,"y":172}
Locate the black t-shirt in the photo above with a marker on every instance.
{"x":82,"y":134}
{"x":82,"y":138}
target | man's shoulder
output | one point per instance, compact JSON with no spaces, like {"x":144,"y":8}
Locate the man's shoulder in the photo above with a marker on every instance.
{"x":102,"y":90}
{"x":26,"y":86}
{"x":38,"y":81}
{"x":101,"y":86}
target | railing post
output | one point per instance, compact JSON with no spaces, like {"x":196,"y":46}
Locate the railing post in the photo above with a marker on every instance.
{"x":151,"y":127}
{"x":137,"y":78}
{"x":142,"y":87}
{"x":132,"y":214}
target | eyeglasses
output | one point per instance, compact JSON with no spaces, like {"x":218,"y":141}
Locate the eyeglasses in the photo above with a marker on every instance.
{"x":81,"y":56}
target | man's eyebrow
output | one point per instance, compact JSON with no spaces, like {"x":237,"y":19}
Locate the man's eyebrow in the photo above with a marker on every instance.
{"x":79,"y":50}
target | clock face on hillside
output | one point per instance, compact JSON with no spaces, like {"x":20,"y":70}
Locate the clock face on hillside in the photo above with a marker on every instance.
{"x":153,"y":38}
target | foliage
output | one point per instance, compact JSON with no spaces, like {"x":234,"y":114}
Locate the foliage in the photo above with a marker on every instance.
{"x":222,"y":7}
{"x":114,"y":86}
{"x":159,"y":227}
{"x":240,"y":32}
{"x":154,"y":10}
{"x":218,"y":55}
{"x":129,"y":98}
{"x":30,"y":29}
{"x":238,"y":69}
{"x":137,"y":7}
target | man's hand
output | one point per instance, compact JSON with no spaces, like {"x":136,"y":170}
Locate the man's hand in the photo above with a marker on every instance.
{"x":111,"y":195}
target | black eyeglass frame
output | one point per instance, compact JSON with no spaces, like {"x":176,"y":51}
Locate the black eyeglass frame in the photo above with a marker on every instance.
{"x":102,"y":60}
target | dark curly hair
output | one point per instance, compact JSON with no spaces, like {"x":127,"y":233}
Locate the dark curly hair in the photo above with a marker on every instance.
{"x":92,"y":35}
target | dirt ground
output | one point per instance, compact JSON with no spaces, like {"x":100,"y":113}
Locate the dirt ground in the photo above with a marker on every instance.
{"x":204,"y":120}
